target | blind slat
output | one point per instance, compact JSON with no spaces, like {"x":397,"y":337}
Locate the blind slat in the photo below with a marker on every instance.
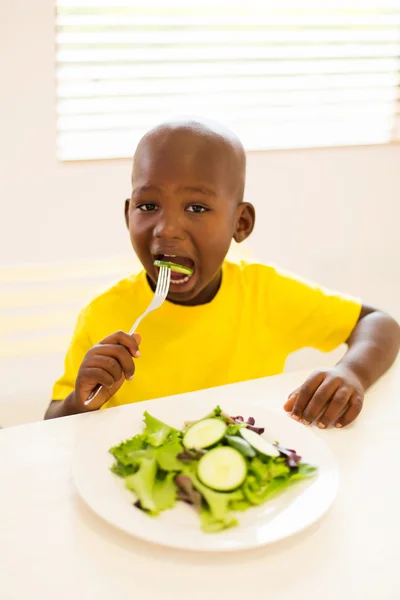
{"x":166,"y":70}
{"x":241,"y":100}
{"x":138,"y":37}
{"x":271,"y":20}
{"x":260,"y":114}
{"x":228,"y":83}
{"x":208,"y":52}
{"x":328,"y":124}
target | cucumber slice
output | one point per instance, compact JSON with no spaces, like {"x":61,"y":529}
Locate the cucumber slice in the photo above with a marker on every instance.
{"x":222,"y":469}
{"x":174,"y":267}
{"x":204,"y":433}
{"x":241,"y":445}
{"x":259,"y":443}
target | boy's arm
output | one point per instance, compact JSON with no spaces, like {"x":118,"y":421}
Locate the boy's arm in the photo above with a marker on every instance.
{"x":335,"y":396}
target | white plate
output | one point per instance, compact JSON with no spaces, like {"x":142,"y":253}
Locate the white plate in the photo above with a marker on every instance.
{"x":291,"y":512}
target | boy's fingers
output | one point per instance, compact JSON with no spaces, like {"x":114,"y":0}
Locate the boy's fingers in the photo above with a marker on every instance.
{"x":320,"y":399}
{"x":101,"y":398}
{"x":138,"y":338}
{"x":118,"y":353}
{"x":98,"y":376}
{"x":130,"y":342}
{"x":108,"y":364}
{"x":351,"y":413}
{"x":288,"y":406}
{"x":335,"y":407}
{"x":306,"y":392}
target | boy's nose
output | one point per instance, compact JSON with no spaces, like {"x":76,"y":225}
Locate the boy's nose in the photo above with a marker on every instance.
{"x":168,"y":227}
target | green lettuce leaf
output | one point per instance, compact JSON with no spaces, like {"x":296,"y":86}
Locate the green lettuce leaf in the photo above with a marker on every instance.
{"x":303,"y":471}
{"x":209,"y":524}
{"x":122,"y":470}
{"x":156,"y":432}
{"x":278,"y":468}
{"x":167,"y":455}
{"x":165,"y":492}
{"x":260,"y":470}
{"x":265,"y":471}
{"x":234,"y":429}
{"x":258,"y":490}
{"x":155,"y":490}
{"x":142,"y":483}
{"x":124,"y":451}
{"x":257,"y":493}
{"x":240,"y":505}
{"x":218,"y":504}
{"x":216,"y":413}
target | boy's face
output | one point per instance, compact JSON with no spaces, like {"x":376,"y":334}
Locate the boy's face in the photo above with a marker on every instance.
{"x":185,"y":209}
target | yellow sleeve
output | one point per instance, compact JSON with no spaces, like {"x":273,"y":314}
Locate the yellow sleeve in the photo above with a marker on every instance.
{"x":78,"y":347}
{"x":308,"y":315}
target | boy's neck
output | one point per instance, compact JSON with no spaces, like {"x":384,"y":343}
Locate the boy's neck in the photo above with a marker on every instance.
{"x":204,"y":297}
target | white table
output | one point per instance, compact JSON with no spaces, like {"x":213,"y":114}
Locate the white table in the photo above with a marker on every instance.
{"x":53,"y":547}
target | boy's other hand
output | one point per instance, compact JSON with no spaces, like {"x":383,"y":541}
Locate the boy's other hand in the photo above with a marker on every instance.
{"x":108,"y":364}
{"x":331,"y":397}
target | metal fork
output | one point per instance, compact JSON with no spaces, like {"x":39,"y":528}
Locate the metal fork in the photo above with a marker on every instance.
{"x":162,"y":288}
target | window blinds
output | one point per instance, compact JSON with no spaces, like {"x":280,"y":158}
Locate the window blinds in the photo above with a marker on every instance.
{"x":280,"y":74}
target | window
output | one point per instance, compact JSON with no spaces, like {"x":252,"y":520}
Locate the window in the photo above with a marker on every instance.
{"x":282,"y":74}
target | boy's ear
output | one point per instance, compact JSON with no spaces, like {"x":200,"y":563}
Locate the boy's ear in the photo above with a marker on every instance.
{"x":245,"y":221}
{"x":127,"y":203}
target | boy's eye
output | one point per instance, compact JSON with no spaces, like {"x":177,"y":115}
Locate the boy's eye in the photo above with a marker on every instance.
{"x":147,"y":207}
{"x":196,"y":208}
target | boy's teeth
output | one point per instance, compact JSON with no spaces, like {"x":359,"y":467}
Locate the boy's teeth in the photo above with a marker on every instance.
{"x":180,"y":281}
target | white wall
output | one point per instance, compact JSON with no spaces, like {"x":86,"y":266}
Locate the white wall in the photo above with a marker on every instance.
{"x":333,"y":215}
{"x":330,"y":214}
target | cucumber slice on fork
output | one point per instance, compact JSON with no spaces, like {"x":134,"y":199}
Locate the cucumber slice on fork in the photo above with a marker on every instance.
{"x":174,"y":267}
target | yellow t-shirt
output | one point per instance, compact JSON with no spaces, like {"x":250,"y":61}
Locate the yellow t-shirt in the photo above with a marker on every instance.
{"x":259,"y":316}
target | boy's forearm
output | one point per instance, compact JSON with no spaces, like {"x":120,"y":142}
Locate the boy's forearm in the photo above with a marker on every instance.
{"x":373,"y":347}
{"x":62,"y":408}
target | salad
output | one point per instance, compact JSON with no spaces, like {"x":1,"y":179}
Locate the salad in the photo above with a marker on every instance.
{"x":220,"y":465}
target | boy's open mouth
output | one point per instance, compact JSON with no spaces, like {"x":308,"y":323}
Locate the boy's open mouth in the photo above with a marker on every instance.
{"x":183,"y":261}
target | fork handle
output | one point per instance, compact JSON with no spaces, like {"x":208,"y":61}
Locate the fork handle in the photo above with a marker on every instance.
{"x":93,"y":394}
{"x":136,"y":324}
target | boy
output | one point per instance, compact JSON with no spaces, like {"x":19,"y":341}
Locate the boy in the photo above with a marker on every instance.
{"x":225,"y":323}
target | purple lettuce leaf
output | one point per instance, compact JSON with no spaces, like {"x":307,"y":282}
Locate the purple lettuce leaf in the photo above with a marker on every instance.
{"x":259,"y":430}
{"x":250,"y":424}
{"x":187,"y":456}
{"x":291,"y":456}
{"x":187,"y":493}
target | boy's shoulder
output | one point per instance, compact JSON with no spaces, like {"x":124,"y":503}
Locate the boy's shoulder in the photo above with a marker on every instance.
{"x":249,"y":271}
{"x":264,"y":273}
{"x":262,"y":279}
